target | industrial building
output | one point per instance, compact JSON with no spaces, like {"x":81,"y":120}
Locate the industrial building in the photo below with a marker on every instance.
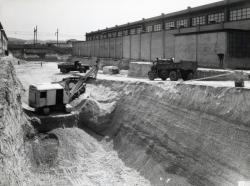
{"x":215,"y":35}
{"x":3,"y":42}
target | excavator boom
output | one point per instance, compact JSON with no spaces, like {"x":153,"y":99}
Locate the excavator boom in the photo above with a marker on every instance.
{"x":80,"y":82}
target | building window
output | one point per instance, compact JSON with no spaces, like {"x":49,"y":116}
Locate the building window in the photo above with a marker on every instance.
{"x":182,"y":23}
{"x":109,"y":35}
{"x":216,"y":18}
{"x":125,"y":32}
{"x":104,"y":36}
{"x":43,"y":95}
{"x":139,"y":30}
{"x":132,"y":31}
{"x":239,"y":44}
{"x":170,"y":25}
{"x":157,"y":27}
{"x":240,"y":14}
{"x":198,"y":21}
{"x":119,"y":34}
{"x":149,"y":28}
{"x":113,"y":34}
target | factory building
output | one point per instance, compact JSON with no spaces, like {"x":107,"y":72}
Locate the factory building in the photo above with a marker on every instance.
{"x":3,"y":42}
{"x":216,"y":35}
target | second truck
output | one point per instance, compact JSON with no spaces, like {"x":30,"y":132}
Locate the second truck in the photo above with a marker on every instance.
{"x":168,"y":68}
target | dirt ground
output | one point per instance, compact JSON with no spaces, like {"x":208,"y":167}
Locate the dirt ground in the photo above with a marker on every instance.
{"x":73,"y":156}
{"x":35,"y":73}
{"x":88,"y":159}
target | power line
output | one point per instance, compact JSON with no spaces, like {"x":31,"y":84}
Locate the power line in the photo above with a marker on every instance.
{"x":20,"y":32}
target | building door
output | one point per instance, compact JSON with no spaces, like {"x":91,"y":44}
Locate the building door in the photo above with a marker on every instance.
{"x":59,"y":97}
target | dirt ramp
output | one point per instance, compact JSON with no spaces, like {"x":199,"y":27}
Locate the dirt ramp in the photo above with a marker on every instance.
{"x":190,"y":134}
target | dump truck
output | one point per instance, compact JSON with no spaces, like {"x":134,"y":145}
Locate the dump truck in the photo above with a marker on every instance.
{"x":47,"y":97}
{"x":168,"y":68}
{"x":73,"y":66}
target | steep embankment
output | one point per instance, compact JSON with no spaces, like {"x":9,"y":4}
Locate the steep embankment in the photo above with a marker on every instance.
{"x":175,"y":133}
{"x":13,"y":128}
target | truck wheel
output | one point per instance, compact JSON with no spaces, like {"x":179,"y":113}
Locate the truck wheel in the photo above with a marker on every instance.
{"x":173,"y":76}
{"x":46,"y":110}
{"x":187,"y":76}
{"x":151,"y":76}
{"x":164,"y":75}
{"x":190,"y":76}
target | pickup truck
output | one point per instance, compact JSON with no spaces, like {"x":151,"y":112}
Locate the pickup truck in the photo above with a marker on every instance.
{"x":73,"y":66}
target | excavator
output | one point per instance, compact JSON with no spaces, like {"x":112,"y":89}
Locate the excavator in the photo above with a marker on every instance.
{"x":55,"y":96}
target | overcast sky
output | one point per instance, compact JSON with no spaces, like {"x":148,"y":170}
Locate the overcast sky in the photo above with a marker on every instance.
{"x":76,"y":17}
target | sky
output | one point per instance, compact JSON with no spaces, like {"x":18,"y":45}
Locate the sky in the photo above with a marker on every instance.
{"x":74,"y":18}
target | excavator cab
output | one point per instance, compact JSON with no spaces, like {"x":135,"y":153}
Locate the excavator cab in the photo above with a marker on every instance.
{"x":46,"y":97}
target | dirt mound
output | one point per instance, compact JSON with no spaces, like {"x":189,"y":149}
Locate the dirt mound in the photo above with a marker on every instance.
{"x":45,"y":150}
{"x":81,"y":160}
{"x":96,"y":107}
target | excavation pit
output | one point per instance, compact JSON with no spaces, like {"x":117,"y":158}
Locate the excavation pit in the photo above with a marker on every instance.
{"x":139,"y":133}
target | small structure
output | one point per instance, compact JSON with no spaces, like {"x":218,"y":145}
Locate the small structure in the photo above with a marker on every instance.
{"x":46,"y":97}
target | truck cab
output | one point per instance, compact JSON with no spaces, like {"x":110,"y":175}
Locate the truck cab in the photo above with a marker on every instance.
{"x":73,"y":66}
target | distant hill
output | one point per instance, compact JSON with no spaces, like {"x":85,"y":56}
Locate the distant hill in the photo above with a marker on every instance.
{"x":17,"y":41}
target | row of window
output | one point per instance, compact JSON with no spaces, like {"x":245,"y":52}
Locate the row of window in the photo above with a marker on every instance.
{"x":243,"y":13}
{"x":239,"y":14}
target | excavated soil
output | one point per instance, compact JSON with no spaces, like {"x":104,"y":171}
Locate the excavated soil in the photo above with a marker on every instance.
{"x":178,"y":134}
{"x":131,"y":133}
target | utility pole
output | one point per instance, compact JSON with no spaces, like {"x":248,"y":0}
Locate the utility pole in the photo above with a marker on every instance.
{"x":35,"y":35}
{"x":57,"y":33}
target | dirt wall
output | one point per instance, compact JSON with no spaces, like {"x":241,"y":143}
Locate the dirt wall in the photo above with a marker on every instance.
{"x":181,"y":134}
{"x":13,"y":128}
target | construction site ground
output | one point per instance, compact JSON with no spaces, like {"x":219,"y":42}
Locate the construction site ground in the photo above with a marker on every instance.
{"x":158,"y":132}
{"x":35,"y":73}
